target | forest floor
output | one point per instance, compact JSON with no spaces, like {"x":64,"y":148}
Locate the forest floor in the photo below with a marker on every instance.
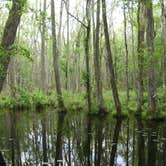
{"x":24,"y":100}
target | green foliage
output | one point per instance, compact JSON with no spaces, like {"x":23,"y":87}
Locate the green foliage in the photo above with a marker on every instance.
{"x":19,"y":49}
{"x":158,"y":115}
{"x":161,"y":96}
{"x":6,"y":102}
{"x":74,"y":102}
{"x":77,"y":102}
{"x":52,"y":99}
{"x":16,"y":49}
{"x":39,"y":99}
{"x":23,"y":99}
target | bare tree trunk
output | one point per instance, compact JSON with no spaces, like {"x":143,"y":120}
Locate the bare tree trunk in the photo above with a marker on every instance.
{"x":140,"y":50}
{"x":68,"y":49}
{"x":152,"y":98}
{"x":43,"y":31}
{"x":127,"y":53}
{"x":133,"y":45}
{"x":97,"y":60}
{"x":110,"y":61}
{"x":56,"y":60}
{"x":164,"y":41}
{"x":9,"y":36}
{"x":87,"y":42}
{"x":60,"y":30}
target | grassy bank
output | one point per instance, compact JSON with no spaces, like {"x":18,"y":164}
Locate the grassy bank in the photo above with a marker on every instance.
{"x":76,"y":102}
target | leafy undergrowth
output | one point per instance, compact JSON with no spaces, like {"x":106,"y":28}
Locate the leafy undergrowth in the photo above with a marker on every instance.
{"x":156,"y":116}
{"x":77,"y":102}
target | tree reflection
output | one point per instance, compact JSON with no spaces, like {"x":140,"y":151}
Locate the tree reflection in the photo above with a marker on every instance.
{"x":88,"y":136}
{"x":80,"y":140}
{"x":2,"y":161}
{"x":152,"y":144}
{"x":59,"y":140}
{"x":44,"y":141}
{"x":140,"y":143}
{"x":115,"y":141}
{"x":99,"y":141}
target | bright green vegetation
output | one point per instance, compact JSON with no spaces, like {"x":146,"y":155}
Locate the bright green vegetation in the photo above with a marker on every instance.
{"x":83,"y":82}
{"x":37,"y":101}
{"x":76,"y":56}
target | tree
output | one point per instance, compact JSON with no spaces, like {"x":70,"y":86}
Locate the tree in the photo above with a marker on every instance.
{"x":140,"y":50}
{"x":9,"y":36}
{"x":164,"y":40}
{"x":56,"y":60}
{"x":43,"y":32}
{"x":126,"y":52}
{"x":152,"y":97}
{"x":110,"y":60}
{"x":97,"y":60}
{"x":86,"y":45}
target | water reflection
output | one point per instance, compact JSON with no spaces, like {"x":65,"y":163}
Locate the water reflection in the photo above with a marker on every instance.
{"x":79,"y":140}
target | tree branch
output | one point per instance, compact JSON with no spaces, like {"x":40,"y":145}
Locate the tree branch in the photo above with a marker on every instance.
{"x":76,"y":18}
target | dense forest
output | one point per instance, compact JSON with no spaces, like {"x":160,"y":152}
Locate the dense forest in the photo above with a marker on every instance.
{"x":95,"y":55}
{"x":83,"y":82}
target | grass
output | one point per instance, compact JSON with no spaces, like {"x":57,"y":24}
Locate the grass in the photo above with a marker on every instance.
{"x":77,"y":102}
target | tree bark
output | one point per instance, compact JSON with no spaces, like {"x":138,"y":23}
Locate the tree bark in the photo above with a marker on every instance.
{"x":86,"y":43}
{"x":164,"y":41}
{"x":97,"y":60}
{"x":110,"y":61}
{"x":9,"y":36}
{"x":43,"y":31}
{"x":127,"y":53}
{"x":56,"y":60}
{"x":140,"y":50}
{"x":68,"y":49}
{"x":152,"y":98}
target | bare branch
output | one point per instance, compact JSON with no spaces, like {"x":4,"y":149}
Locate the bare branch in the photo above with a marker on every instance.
{"x":76,"y":18}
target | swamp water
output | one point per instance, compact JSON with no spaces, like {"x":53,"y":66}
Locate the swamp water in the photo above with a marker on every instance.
{"x":36,"y":139}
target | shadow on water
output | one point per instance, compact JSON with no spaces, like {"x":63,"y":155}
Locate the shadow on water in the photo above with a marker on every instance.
{"x":48,"y":138}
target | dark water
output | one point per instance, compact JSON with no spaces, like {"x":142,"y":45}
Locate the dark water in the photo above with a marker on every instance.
{"x":29,"y":139}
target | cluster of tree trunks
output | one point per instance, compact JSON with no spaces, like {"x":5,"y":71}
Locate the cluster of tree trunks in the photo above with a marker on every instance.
{"x":145,"y":47}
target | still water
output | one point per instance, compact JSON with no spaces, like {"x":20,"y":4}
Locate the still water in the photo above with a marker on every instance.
{"x":36,"y":139}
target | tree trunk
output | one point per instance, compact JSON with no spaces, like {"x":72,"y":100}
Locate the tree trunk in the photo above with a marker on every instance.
{"x":127,"y":54}
{"x":152,"y":98}
{"x":9,"y":36}
{"x":110,"y":61}
{"x":43,"y":31}
{"x":140,"y":50}
{"x":87,"y":42}
{"x":164,"y":41}
{"x":56,"y":60}
{"x":68,"y":49}
{"x":133,"y":45}
{"x":97,"y":60}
